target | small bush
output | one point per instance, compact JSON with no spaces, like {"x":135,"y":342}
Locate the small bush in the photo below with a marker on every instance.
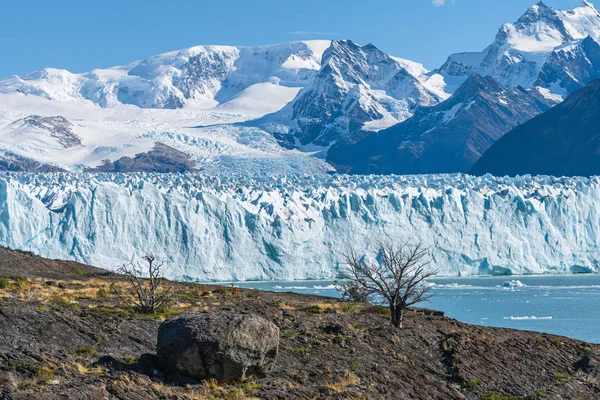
{"x":300,"y":350}
{"x":347,"y":307}
{"x":537,"y":394}
{"x":44,"y":375}
{"x":61,"y":302}
{"x":131,"y":359}
{"x":4,"y":282}
{"x":102,"y":293}
{"x":210,"y":385}
{"x":471,"y":383}
{"x":251,"y":387}
{"x":562,"y":379}
{"x":79,"y":272}
{"x":380,"y":310}
{"x":86,"y":351}
{"x":21,"y":282}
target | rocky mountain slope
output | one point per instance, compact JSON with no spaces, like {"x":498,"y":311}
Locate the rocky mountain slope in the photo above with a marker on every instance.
{"x":564,"y":141}
{"x":282,"y":108}
{"x":65,"y":334}
{"x":533,"y":63}
{"x":312,"y":93}
{"x":356,"y":89}
{"x":445,"y":138}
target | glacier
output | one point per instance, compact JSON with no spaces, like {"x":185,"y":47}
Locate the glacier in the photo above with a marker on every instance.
{"x":293,"y":227}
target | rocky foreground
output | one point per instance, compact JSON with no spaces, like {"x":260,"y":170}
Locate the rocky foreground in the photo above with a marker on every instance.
{"x":64,"y":335}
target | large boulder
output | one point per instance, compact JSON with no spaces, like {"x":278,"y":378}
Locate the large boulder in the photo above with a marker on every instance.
{"x":226,"y":346}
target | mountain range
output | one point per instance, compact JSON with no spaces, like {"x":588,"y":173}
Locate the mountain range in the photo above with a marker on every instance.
{"x":308,"y":107}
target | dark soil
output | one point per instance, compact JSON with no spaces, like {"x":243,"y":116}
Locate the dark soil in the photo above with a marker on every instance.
{"x":64,"y":335}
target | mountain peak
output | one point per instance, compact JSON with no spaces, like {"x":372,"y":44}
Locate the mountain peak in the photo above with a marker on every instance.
{"x":536,"y":13}
{"x":541,"y":4}
{"x":586,"y":3}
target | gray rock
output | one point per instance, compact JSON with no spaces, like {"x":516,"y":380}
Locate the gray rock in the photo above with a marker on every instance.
{"x":57,"y":127}
{"x":224,"y":345}
{"x":13,"y":162}
{"x":162,"y":159}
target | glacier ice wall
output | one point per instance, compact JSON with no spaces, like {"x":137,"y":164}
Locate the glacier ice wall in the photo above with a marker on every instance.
{"x":247,"y":228}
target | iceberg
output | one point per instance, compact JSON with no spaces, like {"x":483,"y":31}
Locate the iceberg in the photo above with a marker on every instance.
{"x":238,"y":228}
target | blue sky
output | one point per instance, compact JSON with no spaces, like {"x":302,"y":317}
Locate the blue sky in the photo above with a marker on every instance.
{"x":81,"y":35}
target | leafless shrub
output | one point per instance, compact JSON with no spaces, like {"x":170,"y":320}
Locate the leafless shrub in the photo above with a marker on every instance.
{"x":150,"y":296}
{"x":396,"y":278}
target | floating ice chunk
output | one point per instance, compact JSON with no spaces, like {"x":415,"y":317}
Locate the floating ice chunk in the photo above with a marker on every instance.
{"x":513,"y":284}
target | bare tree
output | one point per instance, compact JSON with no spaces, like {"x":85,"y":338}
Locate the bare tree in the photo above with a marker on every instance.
{"x":396,"y":278}
{"x":149,"y":295}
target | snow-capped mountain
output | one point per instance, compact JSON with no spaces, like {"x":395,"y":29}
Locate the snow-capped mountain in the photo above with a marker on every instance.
{"x":284,"y":107}
{"x":445,"y":138}
{"x":208,"y":75}
{"x":199,"y":101}
{"x":563,"y":141}
{"x":357,"y":88}
{"x":546,"y":49}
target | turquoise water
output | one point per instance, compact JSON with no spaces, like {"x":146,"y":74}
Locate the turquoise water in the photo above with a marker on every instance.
{"x":562,"y":305}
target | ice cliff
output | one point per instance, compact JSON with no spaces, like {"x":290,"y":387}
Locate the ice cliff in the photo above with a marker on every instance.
{"x":247,"y":228}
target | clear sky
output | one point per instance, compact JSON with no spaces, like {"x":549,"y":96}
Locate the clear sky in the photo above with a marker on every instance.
{"x":80,"y":35}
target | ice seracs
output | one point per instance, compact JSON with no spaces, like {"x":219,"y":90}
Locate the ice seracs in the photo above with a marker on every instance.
{"x":293,"y":227}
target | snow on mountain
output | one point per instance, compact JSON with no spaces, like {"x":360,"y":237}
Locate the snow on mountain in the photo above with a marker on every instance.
{"x":524,"y":52}
{"x":200,"y":101}
{"x":445,"y":138}
{"x":357,"y":88}
{"x":203,"y":74}
{"x":245,"y":227}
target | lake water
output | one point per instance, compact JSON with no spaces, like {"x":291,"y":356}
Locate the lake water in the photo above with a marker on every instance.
{"x":562,"y":305}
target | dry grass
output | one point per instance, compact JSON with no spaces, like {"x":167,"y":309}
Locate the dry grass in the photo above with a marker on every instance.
{"x":211,"y":389}
{"x":336,"y":307}
{"x":95,"y":294}
{"x":349,"y":379}
{"x":81,"y":369}
{"x":285,"y":306}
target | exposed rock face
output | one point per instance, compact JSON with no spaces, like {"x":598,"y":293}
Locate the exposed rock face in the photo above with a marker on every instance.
{"x":161,"y":158}
{"x":225,"y":346}
{"x":569,"y":68}
{"x":446,"y":138}
{"x":58,"y":128}
{"x":564,"y":141}
{"x":357,"y":88}
{"x":12,"y":162}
